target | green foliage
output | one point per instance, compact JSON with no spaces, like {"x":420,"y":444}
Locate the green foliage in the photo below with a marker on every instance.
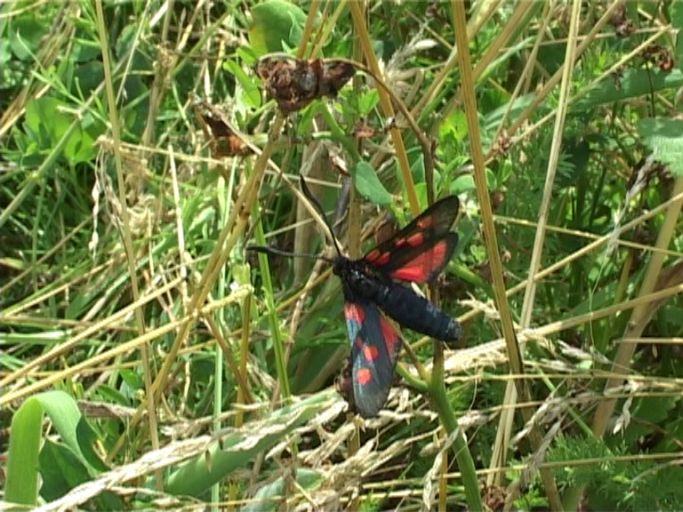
{"x":41,"y":135}
{"x":84,"y":287}
{"x":238,"y":449}
{"x":664,"y":137}
{"x":676,"y":10}
{"x":270,"y":496}
{"x":61,"y":466}
{"x":276,"y":26}
{"x":618,"y":482}
{"x":248,"y":94}
{"x":22,"y":467}
{"x":366,"y":182}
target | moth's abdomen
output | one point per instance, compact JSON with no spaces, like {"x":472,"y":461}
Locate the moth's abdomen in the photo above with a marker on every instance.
{"x":417,"y":313}
{"x":398,"y":302}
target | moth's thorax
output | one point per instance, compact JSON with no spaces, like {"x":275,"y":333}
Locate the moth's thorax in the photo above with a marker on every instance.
{"x":358,"y":278}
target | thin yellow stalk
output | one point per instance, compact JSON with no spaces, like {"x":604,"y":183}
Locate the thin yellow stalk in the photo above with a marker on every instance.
{"x":504,"y":432}
{"x":385,"y":102}
{"x":124,"y":348}
{"x":486,"y":10}
{"x":469,"y":99}
{"x":511,"y":28}
{"x":150,"y":399}
{"x":505,"y":423}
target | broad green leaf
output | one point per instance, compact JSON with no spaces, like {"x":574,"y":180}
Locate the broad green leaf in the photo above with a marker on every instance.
{"x":270,"y":495}
{"x":634,"y":83}
{"x":25,"y":35}
{"x":47,"y":121}
{"x":247,"y":55}
{"x":126,"y":40}
{"x":249,"y":91}
{"x":421,"y":192}
{"x":5,"y":54}
{"x":239,"y":448}
{"x":654,"y":410}
{"x":367,"y":183}
{"x":241,"y":273}
{"x":367,"y":101}
{"x":72,"y":427}
{"x":60,"y":470}
{"x":26,"y":431}
{"x":417,"y":166}
{"x":89,"y":76}
{"x":22,"y":463}
{"x":80,"y":147}
{"x":665,"y":138}
{"x":676,"y":9}
{"x":453,"y":127}
{"x":274,"y":22}
{"x":462,"y":184}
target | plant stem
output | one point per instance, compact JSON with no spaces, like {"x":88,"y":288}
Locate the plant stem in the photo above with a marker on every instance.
{"x":437,"y":392}
{"x":278,"y":346}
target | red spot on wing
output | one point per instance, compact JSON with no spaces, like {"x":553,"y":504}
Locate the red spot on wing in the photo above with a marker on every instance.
{"x":416,"y":239}
{"x":375,"y":257}
{"x":421,"y":267}
{"x":354,"y":312}
{"x":425,"y":222}
{"x":413,"y":240}
{"x":363,"y":376}
{"x":383,"y":259}
{"x":372,"y":255}
{"x":390,"y":335}
{"x":370,"y":352}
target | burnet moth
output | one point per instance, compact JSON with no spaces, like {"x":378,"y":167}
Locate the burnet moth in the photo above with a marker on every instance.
{"x":417,"y":253}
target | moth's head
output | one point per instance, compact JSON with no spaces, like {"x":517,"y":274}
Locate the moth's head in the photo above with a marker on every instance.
{"x":340,"y":265}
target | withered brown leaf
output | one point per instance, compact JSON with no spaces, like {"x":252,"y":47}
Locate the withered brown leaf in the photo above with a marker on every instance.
{"x":294,"y":83}
{"x":219,"y":132}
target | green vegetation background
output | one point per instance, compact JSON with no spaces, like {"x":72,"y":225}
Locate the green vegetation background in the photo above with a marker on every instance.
{"x":148,"y":359}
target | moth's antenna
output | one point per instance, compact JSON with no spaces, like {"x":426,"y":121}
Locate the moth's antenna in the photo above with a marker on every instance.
{"x":316,"y":205}
{"x":278,"y":252}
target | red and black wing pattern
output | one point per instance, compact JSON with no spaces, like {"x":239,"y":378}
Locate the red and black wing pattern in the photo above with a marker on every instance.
{"x":375,"y":345}
{"x":421,"y":250}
